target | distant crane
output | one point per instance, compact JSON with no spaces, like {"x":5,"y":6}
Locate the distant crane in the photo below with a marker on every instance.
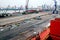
{"x":27,"y":1}
{"x":55,"y":11}
{"x":27,"y":4}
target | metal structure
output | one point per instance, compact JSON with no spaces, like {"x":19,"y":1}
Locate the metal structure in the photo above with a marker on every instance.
{"x":27,"y":4}
{"x":55,"y":11}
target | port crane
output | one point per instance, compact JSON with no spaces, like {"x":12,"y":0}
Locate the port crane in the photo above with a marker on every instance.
{"x":55,"y":11}
{"x":27,"y":4}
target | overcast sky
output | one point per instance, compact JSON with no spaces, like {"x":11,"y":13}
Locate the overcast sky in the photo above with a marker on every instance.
{"x":34,"y":3}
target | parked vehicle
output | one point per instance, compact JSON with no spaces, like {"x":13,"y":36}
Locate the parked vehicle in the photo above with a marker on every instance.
{"x":5,"y":14}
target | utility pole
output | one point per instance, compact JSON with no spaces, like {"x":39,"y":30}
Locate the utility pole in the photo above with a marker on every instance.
{"x":55,"y":11}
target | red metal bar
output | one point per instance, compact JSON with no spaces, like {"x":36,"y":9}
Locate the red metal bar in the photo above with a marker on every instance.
{"x":43,"y":35}
{"x":55,"y":37}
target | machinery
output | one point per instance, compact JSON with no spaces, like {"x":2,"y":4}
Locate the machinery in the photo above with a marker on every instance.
{"x":5,"y":14}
